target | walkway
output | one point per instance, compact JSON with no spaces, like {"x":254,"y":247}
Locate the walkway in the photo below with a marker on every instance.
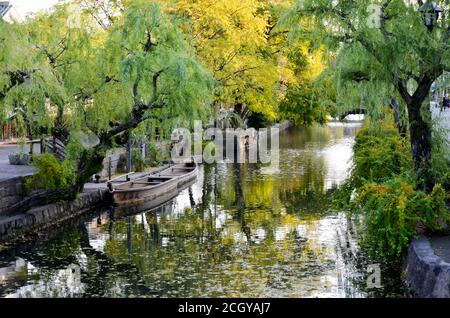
{"x":8,"y":171}
{"x":443,"y":118}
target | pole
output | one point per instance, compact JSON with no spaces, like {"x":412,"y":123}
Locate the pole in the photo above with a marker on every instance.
{"x":109,"y":169}
{"x":143,"y":150}
{"x":128,"y":159}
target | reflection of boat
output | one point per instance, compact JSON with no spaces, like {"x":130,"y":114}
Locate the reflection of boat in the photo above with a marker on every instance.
{"x":156,"y":189}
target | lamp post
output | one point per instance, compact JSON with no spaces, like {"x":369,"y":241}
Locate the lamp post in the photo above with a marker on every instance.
{"x":430,"y":14}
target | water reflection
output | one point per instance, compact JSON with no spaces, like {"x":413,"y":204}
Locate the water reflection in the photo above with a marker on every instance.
{"x":240,"y":231}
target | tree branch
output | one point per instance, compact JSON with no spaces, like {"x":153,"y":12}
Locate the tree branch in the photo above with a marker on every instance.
{"x":138,"y":110}
{"x":398,"y":82}
{"x":155,"y":84}
{"x":16,"y":78}
{"x":384,"y":19}
{"x":240,"y":71}
{"x":82,"y":96}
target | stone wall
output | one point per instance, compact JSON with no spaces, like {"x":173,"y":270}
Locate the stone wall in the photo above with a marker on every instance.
{"x":41,"y":218}
{"x":427,"y":275}
{"x":11,"y":192}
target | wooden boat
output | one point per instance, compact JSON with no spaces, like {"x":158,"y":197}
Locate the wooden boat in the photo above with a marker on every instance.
{"x":155,"y":189}
{"x":149,"y":206}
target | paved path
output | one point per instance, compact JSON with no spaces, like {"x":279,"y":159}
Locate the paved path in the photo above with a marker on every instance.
{"x":8,"y":171}
{"x":443,"y":118}
{"x":440,"y":245}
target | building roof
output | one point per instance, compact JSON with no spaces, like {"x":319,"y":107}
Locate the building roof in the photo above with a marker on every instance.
{"x":4,"y":8}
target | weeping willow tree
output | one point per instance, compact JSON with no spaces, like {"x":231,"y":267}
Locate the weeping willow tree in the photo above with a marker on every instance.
{"x":231,"y":39}
{"x":251,"y":62}
{"x":83,"y":79}
{"x":383,"y":52}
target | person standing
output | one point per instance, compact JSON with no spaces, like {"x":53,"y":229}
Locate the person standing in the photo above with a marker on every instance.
{"x":445,"y":102}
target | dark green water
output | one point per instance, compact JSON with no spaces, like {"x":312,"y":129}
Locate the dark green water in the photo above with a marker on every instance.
{"x":240,"y":231}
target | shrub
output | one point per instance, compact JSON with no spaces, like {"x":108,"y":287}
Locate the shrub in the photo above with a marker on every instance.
{"x":137,"y":161}
{"x":381,"y":191}
{"x":122,"y":163}
{"x":380,"y":153}
{"x":388,"y":221}
{"x":394,"y":212}
{"x":154,"y":155}
{"x":51,"y":174}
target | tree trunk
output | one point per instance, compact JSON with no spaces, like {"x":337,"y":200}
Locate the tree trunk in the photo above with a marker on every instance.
{"x":90,"y":163}
{"x":421,"y":145}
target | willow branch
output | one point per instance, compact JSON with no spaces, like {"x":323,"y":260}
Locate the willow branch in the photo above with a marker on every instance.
{"x":384,"y":19}
{"x":369,"y":46}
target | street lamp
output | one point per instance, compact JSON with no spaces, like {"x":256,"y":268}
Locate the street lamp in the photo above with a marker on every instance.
{"x":430,"y":13}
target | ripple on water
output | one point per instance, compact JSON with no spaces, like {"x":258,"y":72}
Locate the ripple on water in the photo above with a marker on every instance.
{"x":240,"y":231}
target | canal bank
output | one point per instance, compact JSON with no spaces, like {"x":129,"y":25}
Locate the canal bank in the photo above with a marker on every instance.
{"x":428,"y":260}
{"x":244,"y":230}
{"x":428,"y":267}
{"x":15,"y":227}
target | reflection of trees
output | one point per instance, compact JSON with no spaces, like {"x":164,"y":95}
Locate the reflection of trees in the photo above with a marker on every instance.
{"x":249,"y":235}
{"x":240,"y":201}
{"x":300,"y":137}
{"x":98,"y":276}
{"x":101,"y":279}
{"x":192,"y":255}
{"x":208,"y":196}
{"x":187,"y":267}
{"x":307,"y":193}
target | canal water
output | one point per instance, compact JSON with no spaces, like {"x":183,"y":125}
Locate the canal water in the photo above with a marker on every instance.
{"x":240,"y":231}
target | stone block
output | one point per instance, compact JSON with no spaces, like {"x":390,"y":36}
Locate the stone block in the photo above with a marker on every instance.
{"x":427,"y":274}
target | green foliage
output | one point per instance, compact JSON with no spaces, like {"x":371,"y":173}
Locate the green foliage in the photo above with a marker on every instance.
{"x":155,"y":156}
{"x":440,"y":164}
{"x":393,"y":213}
{"x":73,"y":148}
{"x":154,"y":44}
{"x":51,"y":174}
{"x":382,"y":192}
{"x":380,"y":153}
{"x":85,"y":75}
{"x":371,"y":57}
{"x":137,"y":160}
{"x":301,"y":106}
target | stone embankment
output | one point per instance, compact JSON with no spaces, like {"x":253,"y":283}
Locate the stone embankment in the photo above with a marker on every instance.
{"x":11,"y":192}
{"x":16,"y":227}
{"x":428,"y":274}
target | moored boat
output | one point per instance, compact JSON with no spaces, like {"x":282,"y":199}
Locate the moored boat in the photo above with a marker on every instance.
{"x":155,"y":189}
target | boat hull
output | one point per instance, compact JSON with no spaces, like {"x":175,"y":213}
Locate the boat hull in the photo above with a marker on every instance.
{"x":129,"y":210}
{"x":172,"y":181}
